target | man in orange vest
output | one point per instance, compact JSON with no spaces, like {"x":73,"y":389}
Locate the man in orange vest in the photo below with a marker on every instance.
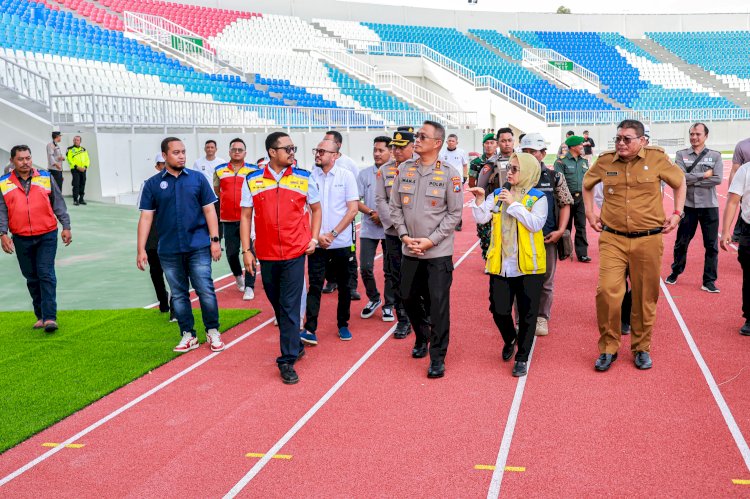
{"x":30,"y":207}
{"x":228,"y":180}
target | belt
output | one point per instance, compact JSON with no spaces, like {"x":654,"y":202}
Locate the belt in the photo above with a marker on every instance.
{"x":631,"y":235}
{"x":576,"y":194}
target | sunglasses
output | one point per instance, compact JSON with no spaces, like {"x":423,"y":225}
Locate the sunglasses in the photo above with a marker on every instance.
{"x":288,"y":149}
{"x":236,"y":150}
{"x":625,"y":140}
{"x":321,"y":152}
{"x":421,"y":136}
{"x":514,"y":169}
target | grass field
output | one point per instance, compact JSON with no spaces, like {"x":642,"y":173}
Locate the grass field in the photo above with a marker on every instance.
{"x":46,"y":377}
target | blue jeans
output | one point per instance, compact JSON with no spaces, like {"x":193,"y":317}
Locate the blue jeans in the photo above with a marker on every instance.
{"x":36,"y":257}
{"x":181,"y":270}
{"x":284,"y":283}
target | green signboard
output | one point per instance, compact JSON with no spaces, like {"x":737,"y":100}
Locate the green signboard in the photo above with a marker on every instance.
{"x":186,"y":44}
{"x":563,"y":65}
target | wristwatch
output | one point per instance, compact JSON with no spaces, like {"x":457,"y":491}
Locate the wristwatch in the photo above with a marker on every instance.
{"x":334,"y":233}
{"x":680,"y":214}
{"x":3,"y":233}
{"x":215,"y":239}
{"x":370,"y":213}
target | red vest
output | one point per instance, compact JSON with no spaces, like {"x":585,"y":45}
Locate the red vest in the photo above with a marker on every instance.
{"x":30,"y":215}
{"x":282,"y":224}
{"x":230,"y":190}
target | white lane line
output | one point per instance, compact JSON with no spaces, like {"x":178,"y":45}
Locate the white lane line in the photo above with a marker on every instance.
{"x":510,"y":427}
{"x":320,"y":403}
{"x":739,"y":439}
{"x":125,"y":407}
{"x":191,"y":290}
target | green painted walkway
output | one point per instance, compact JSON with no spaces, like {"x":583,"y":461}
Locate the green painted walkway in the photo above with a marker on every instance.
{"x":97,"y":271}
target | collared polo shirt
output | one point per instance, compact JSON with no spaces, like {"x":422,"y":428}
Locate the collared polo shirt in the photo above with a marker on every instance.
{"x":366,"y":183}
{"x":337,"y":187}
{"x":178,"y":205}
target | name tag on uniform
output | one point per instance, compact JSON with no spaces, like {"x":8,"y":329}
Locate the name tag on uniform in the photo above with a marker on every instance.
{"x":612,"y":174}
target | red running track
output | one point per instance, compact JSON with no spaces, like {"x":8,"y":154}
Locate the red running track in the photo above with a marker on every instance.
{"x":389,"y":431}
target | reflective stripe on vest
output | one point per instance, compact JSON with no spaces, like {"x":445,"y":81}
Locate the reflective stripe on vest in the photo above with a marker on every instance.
{"x":532,"y":256}
{"x":29,"y":215}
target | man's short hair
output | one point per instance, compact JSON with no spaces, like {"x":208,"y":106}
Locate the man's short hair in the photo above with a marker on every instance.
{"x":705,"y":128}
{"x":234,"y":141}
{"x":337,"y":137}
{"x":505,"y":130}
{"x":453,"y":136}
{"x":273,"y":139}
{"x":19,"y":148}
{"x":165,"y":143}
{"x":440,"y":129}
{"x":383,"y":139}
{"x":634,"y":124}
{"x":520,"y":137}
{"x":210,"y":141}
{"x":585,"y":131}
{"x":569,"y":133}
{"x":56,"y":135}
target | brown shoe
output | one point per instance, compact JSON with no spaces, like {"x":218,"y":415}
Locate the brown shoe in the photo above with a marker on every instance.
{"x":39,"y":324}
{"x":50,"y":326}
{"x":542,"y":327}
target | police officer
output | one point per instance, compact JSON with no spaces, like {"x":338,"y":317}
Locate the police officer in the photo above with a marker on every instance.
{"x":78,"y":159}
{"x":704,"y":170}
{"x":574,"y":166}
{"x":631,"y":223}
{"x":425,"y":210}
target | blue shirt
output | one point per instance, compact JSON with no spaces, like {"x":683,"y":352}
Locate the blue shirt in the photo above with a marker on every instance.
{"x":178,"y":203}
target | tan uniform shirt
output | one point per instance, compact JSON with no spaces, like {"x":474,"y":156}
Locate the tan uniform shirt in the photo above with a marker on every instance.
{"x":383,"y":184}
{"x":632,"y":190}
{"x":427,"y":201}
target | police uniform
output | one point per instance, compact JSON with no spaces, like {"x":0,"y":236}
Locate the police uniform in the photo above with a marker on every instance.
{"x":427,"y":202}
{"x":632,"y":217}
{"x":574,"y":169}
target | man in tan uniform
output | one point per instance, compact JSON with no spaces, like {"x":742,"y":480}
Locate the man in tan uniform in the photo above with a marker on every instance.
{"x":425,"y":205}
{"x":631,"y":223}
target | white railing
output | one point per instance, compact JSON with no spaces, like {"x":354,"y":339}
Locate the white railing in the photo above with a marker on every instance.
{"x":651,"y":116}
{"x":540,"y":58}
{"x":114,"y":111}
{"x":166,"y":35}
{"x":24,"y":82}
{"x":419,"y":50}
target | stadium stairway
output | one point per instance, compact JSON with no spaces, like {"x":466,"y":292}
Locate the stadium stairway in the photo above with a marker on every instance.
{"x":696,"y":72}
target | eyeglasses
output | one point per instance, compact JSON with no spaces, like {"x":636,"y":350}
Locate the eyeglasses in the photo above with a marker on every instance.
{"x":288,"y":149}
{"x":625,"y":140}
{"x":236,"y":150}
{"x":514,"y":169}
{"x":394,"y":146}
{"x":421,"y":136}
{"x":321,"y":152}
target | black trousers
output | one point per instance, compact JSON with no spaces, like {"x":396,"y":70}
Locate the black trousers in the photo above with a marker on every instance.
{"x":353,"y":267}
{"x":708,"y":218}
{"x":392,"y":270}
{"x":79,"y":184}
{"x":283,"y":282}
{"x":157,"y":278}
{"x":525,"y":291}
{"x":578,"y":218}
{"x":232,"y":243}
{"x":743,"y":256}
{"x":426,"y":289}
{"x":367,"y":249}
{"x":58,"y":176}
{"x":339,"y":259}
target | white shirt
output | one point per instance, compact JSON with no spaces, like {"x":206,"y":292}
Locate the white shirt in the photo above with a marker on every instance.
{"x":533,"y":220}
{"x":207,"y":167}
{"x":336,"y":188}
{"x":741,"y":186}
{"x":457,"y":158}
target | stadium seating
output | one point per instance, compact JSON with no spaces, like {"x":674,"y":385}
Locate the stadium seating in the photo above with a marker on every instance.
{"x":468,"y":52}
{"x":501,"y":42}
{"x":358,"y":34}
{"x":626,"y":78}
{"x":366,"y":95}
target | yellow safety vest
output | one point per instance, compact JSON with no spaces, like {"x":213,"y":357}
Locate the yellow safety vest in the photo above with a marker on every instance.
{"x":532,"y":256}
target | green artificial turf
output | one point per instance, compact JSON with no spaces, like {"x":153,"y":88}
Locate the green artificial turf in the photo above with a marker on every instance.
{"x":46,"y":377}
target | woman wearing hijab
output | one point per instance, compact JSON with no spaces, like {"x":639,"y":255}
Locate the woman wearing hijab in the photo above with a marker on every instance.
{"x":516,"y":259}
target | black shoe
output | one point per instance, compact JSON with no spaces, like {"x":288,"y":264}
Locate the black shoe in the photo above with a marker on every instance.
{"x":330,"y":288}
{"x":288,"y":374}
{"x":604,"y":361}
{"x":671,"y":278}
{"x":584,"y":259}
{"x":625,"y":328}
{"x":745,"y":329}
{"x":643,"y":360}
{"x":508,"y":351}
{"x":460,"y":226}
{"x":519,"y":369}
{"x":419,"y":351}
{"x":355,"y":296}
{"x":82,"y":201}
{"x":75,"y":203}
{"x":402,"y":330}
{"x":436,"y":370}
{"x":710,"y":287}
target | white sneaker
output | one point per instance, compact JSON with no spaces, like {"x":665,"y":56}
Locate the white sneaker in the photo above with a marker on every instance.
{"x":213,"y":338}
{"x":275,"y":321}
{"x":542,"y":327}
{"x":249,"y":294}
{"x":240,"y":280}
{"x":187,"y":343}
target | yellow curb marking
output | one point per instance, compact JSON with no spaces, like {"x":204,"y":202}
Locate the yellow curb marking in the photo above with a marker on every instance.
{"x":69,"y":446}
{"x":276,"y":456}
{"x":492,"y":468}
{"x":737,"y":481}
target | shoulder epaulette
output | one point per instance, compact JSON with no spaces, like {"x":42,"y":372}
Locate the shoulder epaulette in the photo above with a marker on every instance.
{"x":609,"y":151}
